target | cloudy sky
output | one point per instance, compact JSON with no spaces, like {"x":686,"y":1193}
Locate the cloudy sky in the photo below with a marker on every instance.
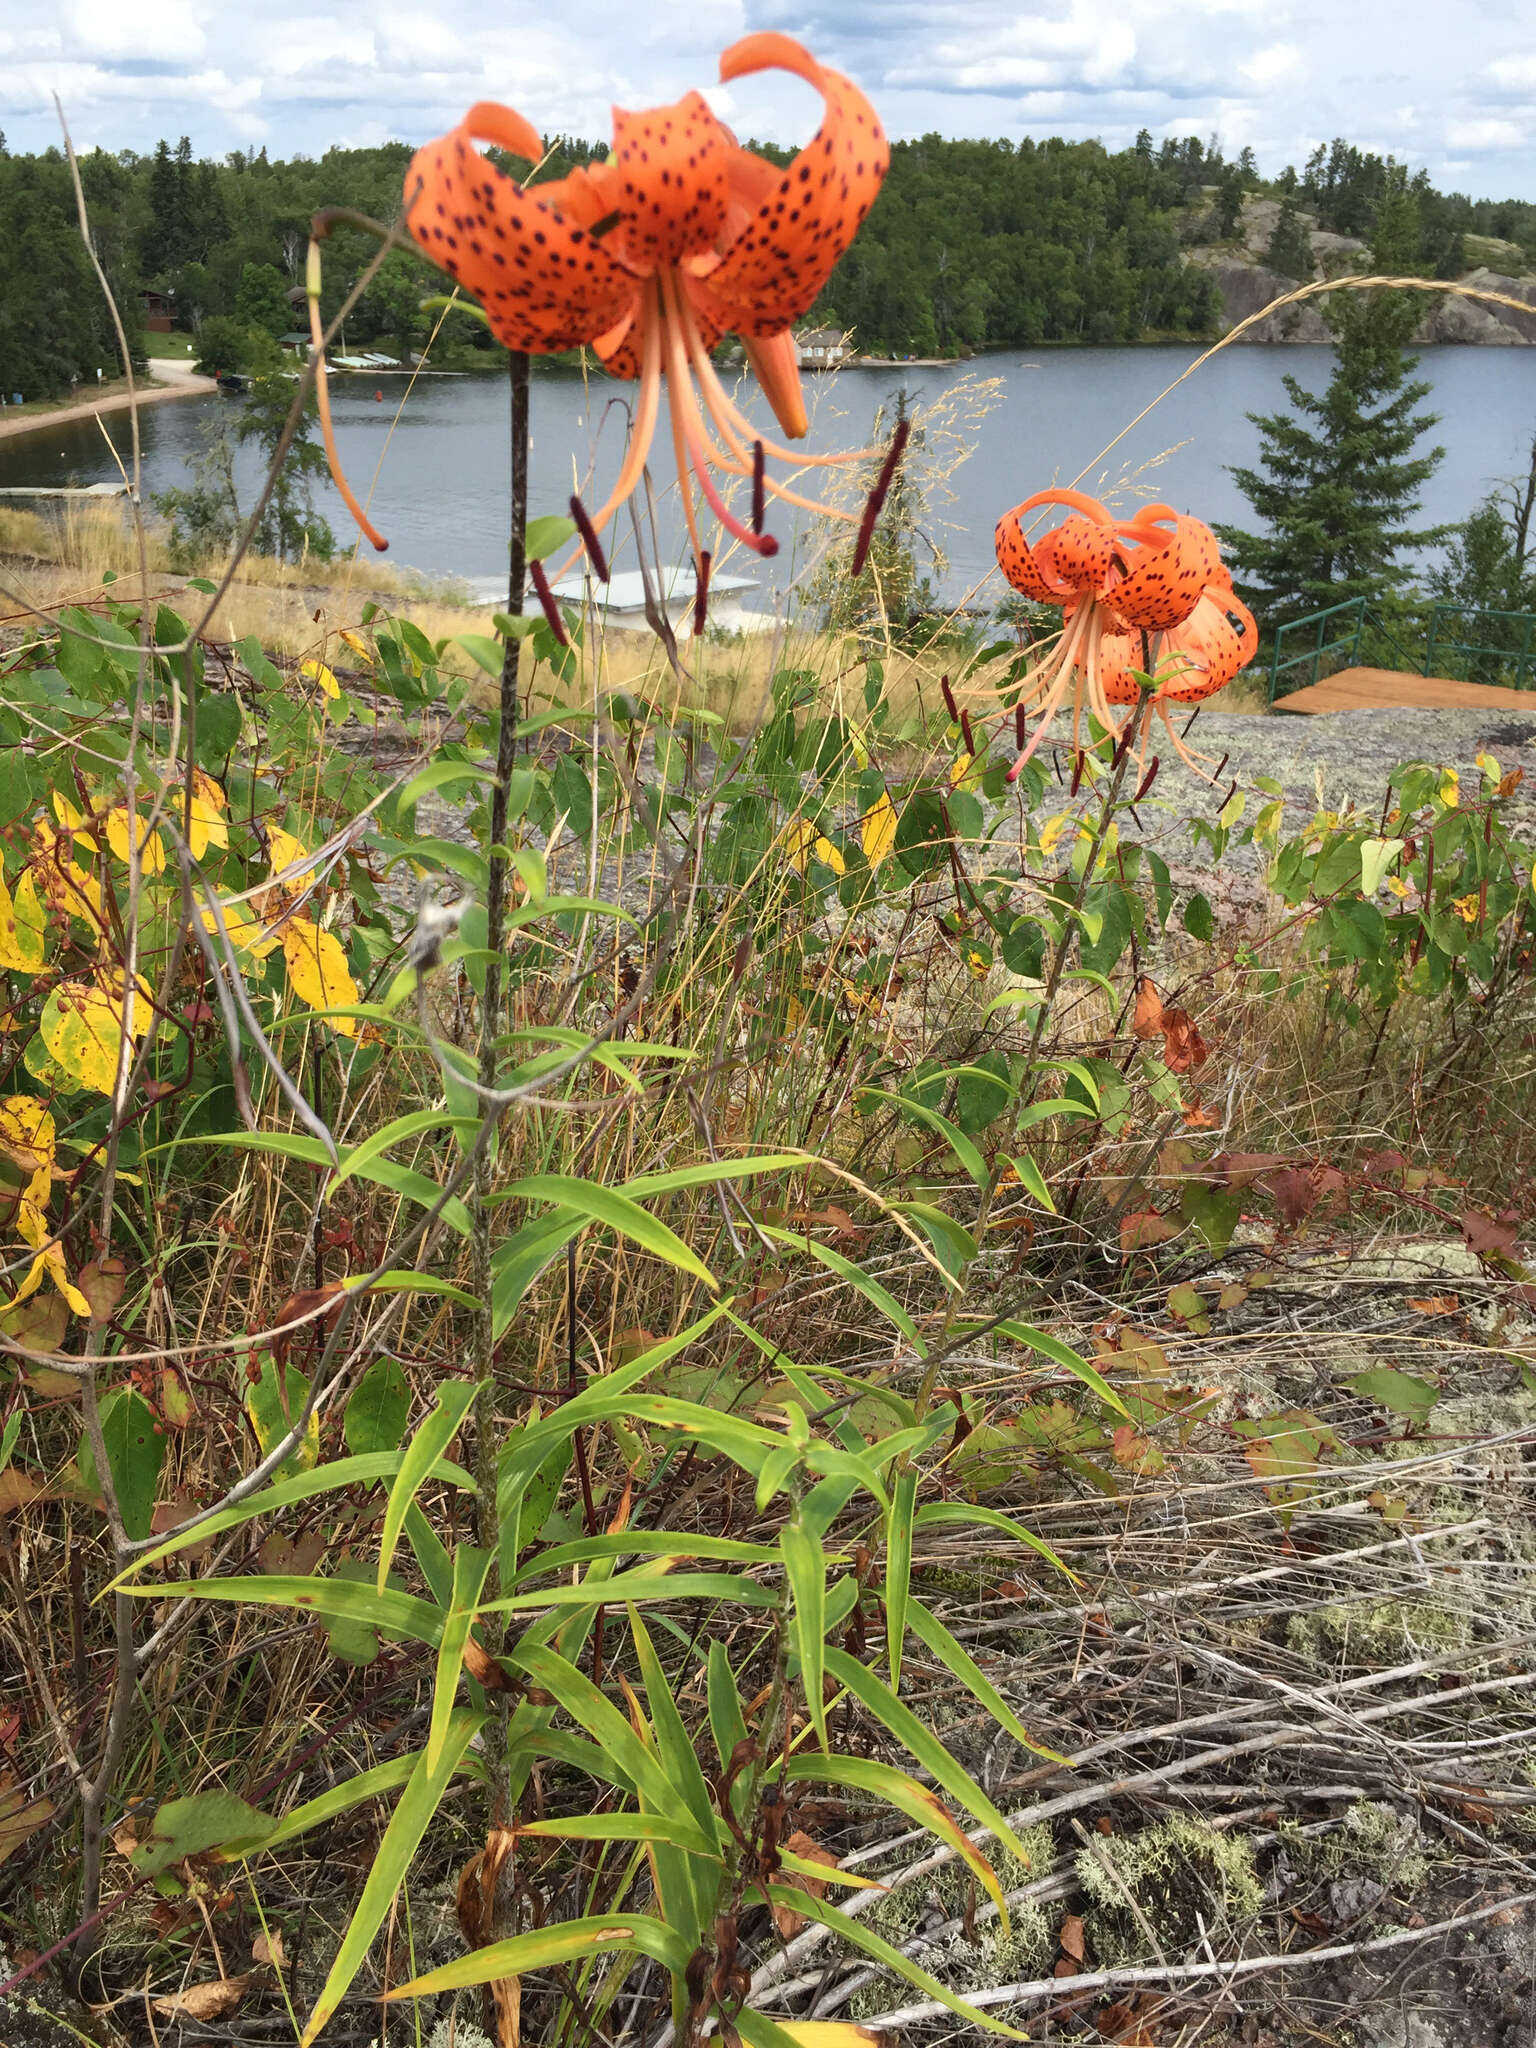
{"x":1451,"y":87}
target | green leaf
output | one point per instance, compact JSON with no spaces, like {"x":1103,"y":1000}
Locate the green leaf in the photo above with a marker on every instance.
{"x":952,"y":1242}
{"x":881,"y":1781}
{"x":274,"y":1405}
{"x":357,"y":1158}
{"x":408,"y":1823}
{"x":414,"y":1187}
{"x":618,"y":1212}
{"x":1376,"y":856}
{"x":920,"y":1742}
{"x":859,"y":1936}
{"x":469,"y":1570}
{"x":1064,"y":1356}
{"x":337,"y":1800}
{"x":936,"y":1638}
{"x":397,"y":1613}
{"x":806,"y":1570}
{"x":547,"y":534}
{"x":726,"y":1722}
{"x":963,"y":1147}
{"x":1199,"y":919}
{"x":674,"y":1829}
{"x":134,"y":1457}
{"x":952,"y":1513}
{"x":601,"y":1720}
{"x":855,"y":1276}
{"x":519,"y":1260}
{"x":404,"y":1281}
{"x":544,"y":1947}
{"x":454,"y":1400}
{"x":188,"y":1827}
{"x":447,"y":774}
{"x":899,"y":1529}
{"x":1403,"y":1393}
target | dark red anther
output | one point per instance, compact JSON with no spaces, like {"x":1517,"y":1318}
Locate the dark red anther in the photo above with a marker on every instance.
{"x":876,"y":500}
{"x":1184,"y":735}
{"x":1079,"y":763}
{"x":701,"y":593}
{"x":1147,"y":780}
{"x":1232,"y":792}
{"x":759,"y":495}
{"x":949,"y":699}
{"x":589,"y":539}
{"x":1219,"y":766}
{"x":966,"y":734}
{"x":1020,"y":725}
{"x":546,"y":598}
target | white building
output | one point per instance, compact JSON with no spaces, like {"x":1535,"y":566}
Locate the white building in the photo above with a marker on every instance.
{"x":822,"y":348}
{"x":621,"y":600}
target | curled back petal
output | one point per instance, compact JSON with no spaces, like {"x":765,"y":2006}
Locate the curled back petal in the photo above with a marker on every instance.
{"x":672,"y":182}
{"x":1164,"y":578}
{"x":1049,"y":574}
{"x":1203,"y":655}
{"x":545,"y":283}
{"x":789,"y":246}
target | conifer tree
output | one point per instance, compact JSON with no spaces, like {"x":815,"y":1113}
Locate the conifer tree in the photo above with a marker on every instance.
{"x":1341,"y":474}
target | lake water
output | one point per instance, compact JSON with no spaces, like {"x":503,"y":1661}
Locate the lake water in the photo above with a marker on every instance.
{"x":437,"y":463}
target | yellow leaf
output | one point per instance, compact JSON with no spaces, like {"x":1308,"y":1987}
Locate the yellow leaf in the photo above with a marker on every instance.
{"x":206,"y":821}
{"x":151,"y":849}
{"x":21,"y":925}
{"x":73,"y":821}
{"x":1051,"y":831}
{"x":1490,"y":767}
{"x":1450,"y":788}
{"x":317,"y":672}
{"x":82,"y":1028}
{"x":877,"y":832}
{"x":858,"y":739}
{"x":318,"y":972}
{"x":283,"y":849}
{"x":65,"y":883}
{"x":246,"y":934}
{"x":829,"y":854}
{"x":27,"y":1136}
{"x":828,"y":2033}
{"x":360,"y":648}
{"x":32,"y":1227}
{"x":798,"y":836}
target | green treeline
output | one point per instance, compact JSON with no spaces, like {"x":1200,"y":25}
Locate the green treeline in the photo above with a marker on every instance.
{"x":971,"y":244}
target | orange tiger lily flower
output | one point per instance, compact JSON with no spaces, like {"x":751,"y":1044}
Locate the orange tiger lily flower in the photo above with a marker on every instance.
{"x":1148,"y":594}
{"x":648,"y":259}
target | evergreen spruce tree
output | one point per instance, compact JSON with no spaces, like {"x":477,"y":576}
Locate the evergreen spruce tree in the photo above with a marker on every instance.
{"x":1290,"y":246}
{"x":1340,"y":477}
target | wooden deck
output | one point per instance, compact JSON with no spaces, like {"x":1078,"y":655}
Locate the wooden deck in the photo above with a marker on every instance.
{"x":1384,"y":689}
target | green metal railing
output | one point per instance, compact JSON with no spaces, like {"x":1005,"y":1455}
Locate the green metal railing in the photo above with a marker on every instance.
{"x":1519,"y":647}
{"x":1352,"y":612}
{"x":1341,"y":629}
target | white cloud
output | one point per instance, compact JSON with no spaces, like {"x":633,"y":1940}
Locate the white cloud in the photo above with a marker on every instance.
{"x":1483,"y":133}
{"x":170,"y":32}
{"x":1275,"y":64}
{"x":1514,"y":74}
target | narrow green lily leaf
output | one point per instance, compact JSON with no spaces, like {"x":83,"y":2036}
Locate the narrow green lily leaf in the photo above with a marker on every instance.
{"x":859,"y":1936}
{"x":855,"y":1276}
{"x":964,"y":1148}
{"x":543,"y":1947}
{"x":898,"y":1567}
{"x":1064,"y":1356}
{"x":400,"y":1280}
{"x":950,"y":1513}
{"x":806,"y":1569}
{"x":357,"y":1157}
{"x":607,"y":1206}
{"x":921,"y":1743}
{"x":519,"y":1260}
{"x":402,"y":1614}
{"x":444,"y":774}
{"x":408,"y":1823}
{"x":680,"y":1548}
{"x":339,"y":1799}
{"x":400,"y":1180}
{"x":469,"y":1569}
{"x":454,"y":1400}
{"x":674,"y":1829}
{"x":361,"y":1470}
{"x":727,"y":1724}
{"x":679,"y":1758}
{"x":932,"y":1633}
{"x":896,"y":1788}
{"x":598,"y":1716}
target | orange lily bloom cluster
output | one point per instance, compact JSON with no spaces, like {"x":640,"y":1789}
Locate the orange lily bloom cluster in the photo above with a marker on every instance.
{"x":1148,"y":594}
{"x":681,"y":237}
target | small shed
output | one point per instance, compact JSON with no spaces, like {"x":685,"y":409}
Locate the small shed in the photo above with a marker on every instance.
{"x":621,"y":600}
{"x":822,"y":348}
{"x":159,"y":311}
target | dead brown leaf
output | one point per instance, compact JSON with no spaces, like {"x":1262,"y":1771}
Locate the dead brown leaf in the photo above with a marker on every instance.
{"x":19,"y":1817}
{"x":1071,"y":1938}
{"x":1435,"y":1304}
{"x":17,"y":1489}
{"x":788,"y":1922}
{"x":268,"y":1948}
{"x":208,"y":2001}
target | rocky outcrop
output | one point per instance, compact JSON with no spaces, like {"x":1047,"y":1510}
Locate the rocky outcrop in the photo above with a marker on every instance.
{"x":1247,"y":286}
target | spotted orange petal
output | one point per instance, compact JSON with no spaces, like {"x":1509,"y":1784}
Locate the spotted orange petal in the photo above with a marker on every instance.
{"x":789,"y":246}
{"x":544,"y":282}
{"x":1166,"y":574}
{"x":1205,"y":653}
{"x":673,"y":185}
{"x":1059,"y":567}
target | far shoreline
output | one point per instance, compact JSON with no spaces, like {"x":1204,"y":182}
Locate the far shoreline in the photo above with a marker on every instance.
{"x":153,"y":391}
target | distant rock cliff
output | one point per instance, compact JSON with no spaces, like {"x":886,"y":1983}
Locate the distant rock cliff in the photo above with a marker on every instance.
{"x":1247,"y":286}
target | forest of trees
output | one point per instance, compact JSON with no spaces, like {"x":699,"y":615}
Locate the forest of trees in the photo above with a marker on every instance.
{"x":971,"y":244}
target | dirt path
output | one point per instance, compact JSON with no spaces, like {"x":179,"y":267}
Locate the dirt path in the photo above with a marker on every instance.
{"x":167,"y":378}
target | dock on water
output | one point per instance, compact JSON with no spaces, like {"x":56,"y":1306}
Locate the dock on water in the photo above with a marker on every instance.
{"x":104,"y":490}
